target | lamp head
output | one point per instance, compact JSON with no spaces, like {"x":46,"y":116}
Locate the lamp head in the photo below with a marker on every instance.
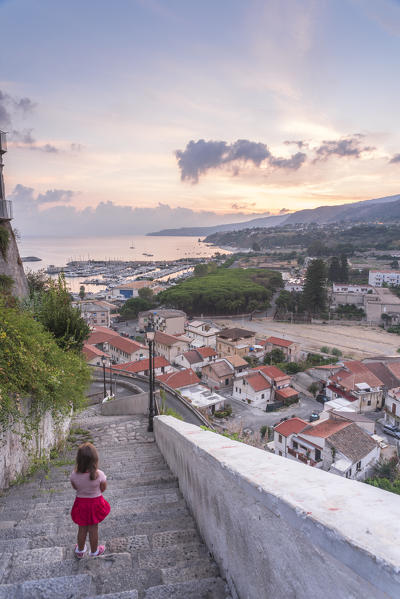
{"x":150,"y":329}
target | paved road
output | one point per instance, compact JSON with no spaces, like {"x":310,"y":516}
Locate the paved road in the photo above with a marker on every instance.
{"x":254,"y":418}
{"x":171,"y":401}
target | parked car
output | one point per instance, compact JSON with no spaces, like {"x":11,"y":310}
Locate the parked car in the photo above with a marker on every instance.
{"x":322,"y":398}
{"x":391,"y":430}
{"x":314,"y":416}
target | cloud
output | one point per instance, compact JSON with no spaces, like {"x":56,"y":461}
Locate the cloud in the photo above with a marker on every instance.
{"x":299,"y":143}
{"x":243,"y":206}
{"x":294,"y":162}
{"x":55,"y":196}
{"x":200,"y":156}
{"x":395,"y":159}
{"x":346,"y":146}
{"x":34,"y":215}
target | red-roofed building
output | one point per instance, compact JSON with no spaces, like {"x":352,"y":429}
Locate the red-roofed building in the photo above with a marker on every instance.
{"x":93,"y":354}
{"x":180,"y":379}
{"x":283,"y":433}
{"x":161,"y":366}
{"x":286,"y":394}
{"x":170,"y":346}
{"x":356,"y":382}
{"x":196,"y":358}
{"x":122,"y":349}
{"x":290,"y":348}
{"x":252,"y":387}
{"x":275,"y":375}
{"x":99,"y":335}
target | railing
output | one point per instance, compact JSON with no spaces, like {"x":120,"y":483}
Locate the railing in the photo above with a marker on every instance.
{"x":145,"y":379}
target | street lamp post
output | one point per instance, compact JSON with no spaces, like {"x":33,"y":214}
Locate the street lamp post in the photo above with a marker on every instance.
{"x":110,"y":378}
{"x":150,"y":334}
{"x":103,"y":360}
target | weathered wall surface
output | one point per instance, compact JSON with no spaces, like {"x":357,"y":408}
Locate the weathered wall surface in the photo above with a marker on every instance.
{"x":134,"y":404}
{"x":12,"y":265}
{"x":16,"y":455}
{"x":281,"y":529}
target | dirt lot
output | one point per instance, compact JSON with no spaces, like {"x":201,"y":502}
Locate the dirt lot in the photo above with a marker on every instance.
{"x":353,"y":340}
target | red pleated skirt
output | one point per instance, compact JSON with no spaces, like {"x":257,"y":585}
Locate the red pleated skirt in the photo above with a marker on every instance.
{"x":89,"y":510}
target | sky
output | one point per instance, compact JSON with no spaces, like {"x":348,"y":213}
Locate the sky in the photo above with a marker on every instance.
{"x":142,"y":114}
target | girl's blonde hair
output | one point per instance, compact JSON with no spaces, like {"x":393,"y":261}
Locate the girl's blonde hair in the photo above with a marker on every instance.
{"x":87,"y":460}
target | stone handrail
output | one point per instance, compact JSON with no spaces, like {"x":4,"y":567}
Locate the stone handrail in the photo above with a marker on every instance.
{"x":281,"y":529}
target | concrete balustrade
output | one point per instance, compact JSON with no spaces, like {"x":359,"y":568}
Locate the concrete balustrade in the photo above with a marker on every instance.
{"x":280,"y":529}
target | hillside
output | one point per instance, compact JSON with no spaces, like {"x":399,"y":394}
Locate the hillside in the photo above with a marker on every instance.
{"x":267,"y":221}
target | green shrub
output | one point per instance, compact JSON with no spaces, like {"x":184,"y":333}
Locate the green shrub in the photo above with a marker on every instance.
{"x":33,"y":365}
{"x":336,"y":352}
{"x":4,"y":241}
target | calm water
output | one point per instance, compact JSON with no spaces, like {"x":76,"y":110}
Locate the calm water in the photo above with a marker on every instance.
{"x":59,"y":251}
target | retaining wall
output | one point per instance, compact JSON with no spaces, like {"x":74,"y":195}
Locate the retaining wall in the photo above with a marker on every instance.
{"x":17,"y":452}
{"x":282,"y":529}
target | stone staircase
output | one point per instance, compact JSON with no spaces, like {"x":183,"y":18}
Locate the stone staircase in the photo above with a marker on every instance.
{"x":153,"y":550}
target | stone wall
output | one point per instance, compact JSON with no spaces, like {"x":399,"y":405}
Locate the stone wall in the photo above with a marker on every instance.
{"x":11,"y":265}
{"x":17,"y":455}
{"x":280,"y":529}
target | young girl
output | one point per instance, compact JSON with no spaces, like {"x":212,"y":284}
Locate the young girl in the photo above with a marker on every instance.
{"x":89,"y":507}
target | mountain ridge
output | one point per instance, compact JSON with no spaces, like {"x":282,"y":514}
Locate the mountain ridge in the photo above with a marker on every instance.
{"x":356,"y":211}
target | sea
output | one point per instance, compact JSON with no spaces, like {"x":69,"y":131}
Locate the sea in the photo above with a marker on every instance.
{"x":60,"y":250}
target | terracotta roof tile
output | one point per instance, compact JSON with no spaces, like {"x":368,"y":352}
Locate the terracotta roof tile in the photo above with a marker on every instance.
{"x":287,"y":392}
{"x":142,"y":365}
{"x":352,"y":442}
{"x":206,"y":352}
{"x":126,"y":345}
{"x":279,"y":342}
{"x":273,"y":372}
{"x":165,"y":339}
{"x":91,"y":351}
{"x":291,"y":426}
{"x":257,"y":381}
{"x":180,"y":379}
{"x":325,"y":429}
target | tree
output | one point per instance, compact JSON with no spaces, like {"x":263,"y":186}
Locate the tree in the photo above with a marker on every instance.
{"x":344,"y":269}
{"x":82,"y":292}
{"x":314,"y":292}
{"x":57,"y":315}
{"x":133,"y":306}
{"x":146,"y":293}
{"x":37,"y":281}
{"x":394,"y":263}
{"x":255,"y":247}
{"x":335,"y":271}
{"x":275,"y":356}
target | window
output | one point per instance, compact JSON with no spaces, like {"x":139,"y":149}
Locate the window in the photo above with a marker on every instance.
{"x":369,"y":402}
{"x":280,"y":438}
{"x":262,"y":396}
{"x":226,"y":381}
{"x":348,"y":473}
{"x":317,"y":455}
{"x":280,"y":453}
{"x":358,"y":467}
{"x":295,"y":445}
{"x":393,"y":408}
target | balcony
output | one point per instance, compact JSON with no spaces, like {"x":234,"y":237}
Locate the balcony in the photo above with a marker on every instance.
{"x":339,"y":536}
{"x":3,"y":143}
{"x":6,"y":212}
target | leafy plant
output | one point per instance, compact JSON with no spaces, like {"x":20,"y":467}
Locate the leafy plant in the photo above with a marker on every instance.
{"x":4,"y":241}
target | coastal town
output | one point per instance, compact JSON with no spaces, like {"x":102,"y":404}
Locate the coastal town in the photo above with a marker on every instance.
{"x":335,"y":413}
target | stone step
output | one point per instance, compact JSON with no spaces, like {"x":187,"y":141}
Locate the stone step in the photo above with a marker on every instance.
{"x":103,"y":567}
{"x":195,"y":570}
{"x":208,"y":588}
{"x":123,"y":595}
{"x":64,"y":587}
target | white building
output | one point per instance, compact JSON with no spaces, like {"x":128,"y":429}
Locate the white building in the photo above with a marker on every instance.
{"x":376,"y":278}
{"x":334,"y":444}
{"x":96,"y":313}
{"x":203,"y":399}
{"x":196,"y":358}
{"x":350,"y":288}
{"x":168,"y":321}
{"x":392,"y":407}
{"x":124,"y":350}
{"x":253,"y":388}
{"x":201,"y":333}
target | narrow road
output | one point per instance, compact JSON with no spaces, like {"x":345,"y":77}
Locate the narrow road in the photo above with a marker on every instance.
{"x":171,"y":401}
